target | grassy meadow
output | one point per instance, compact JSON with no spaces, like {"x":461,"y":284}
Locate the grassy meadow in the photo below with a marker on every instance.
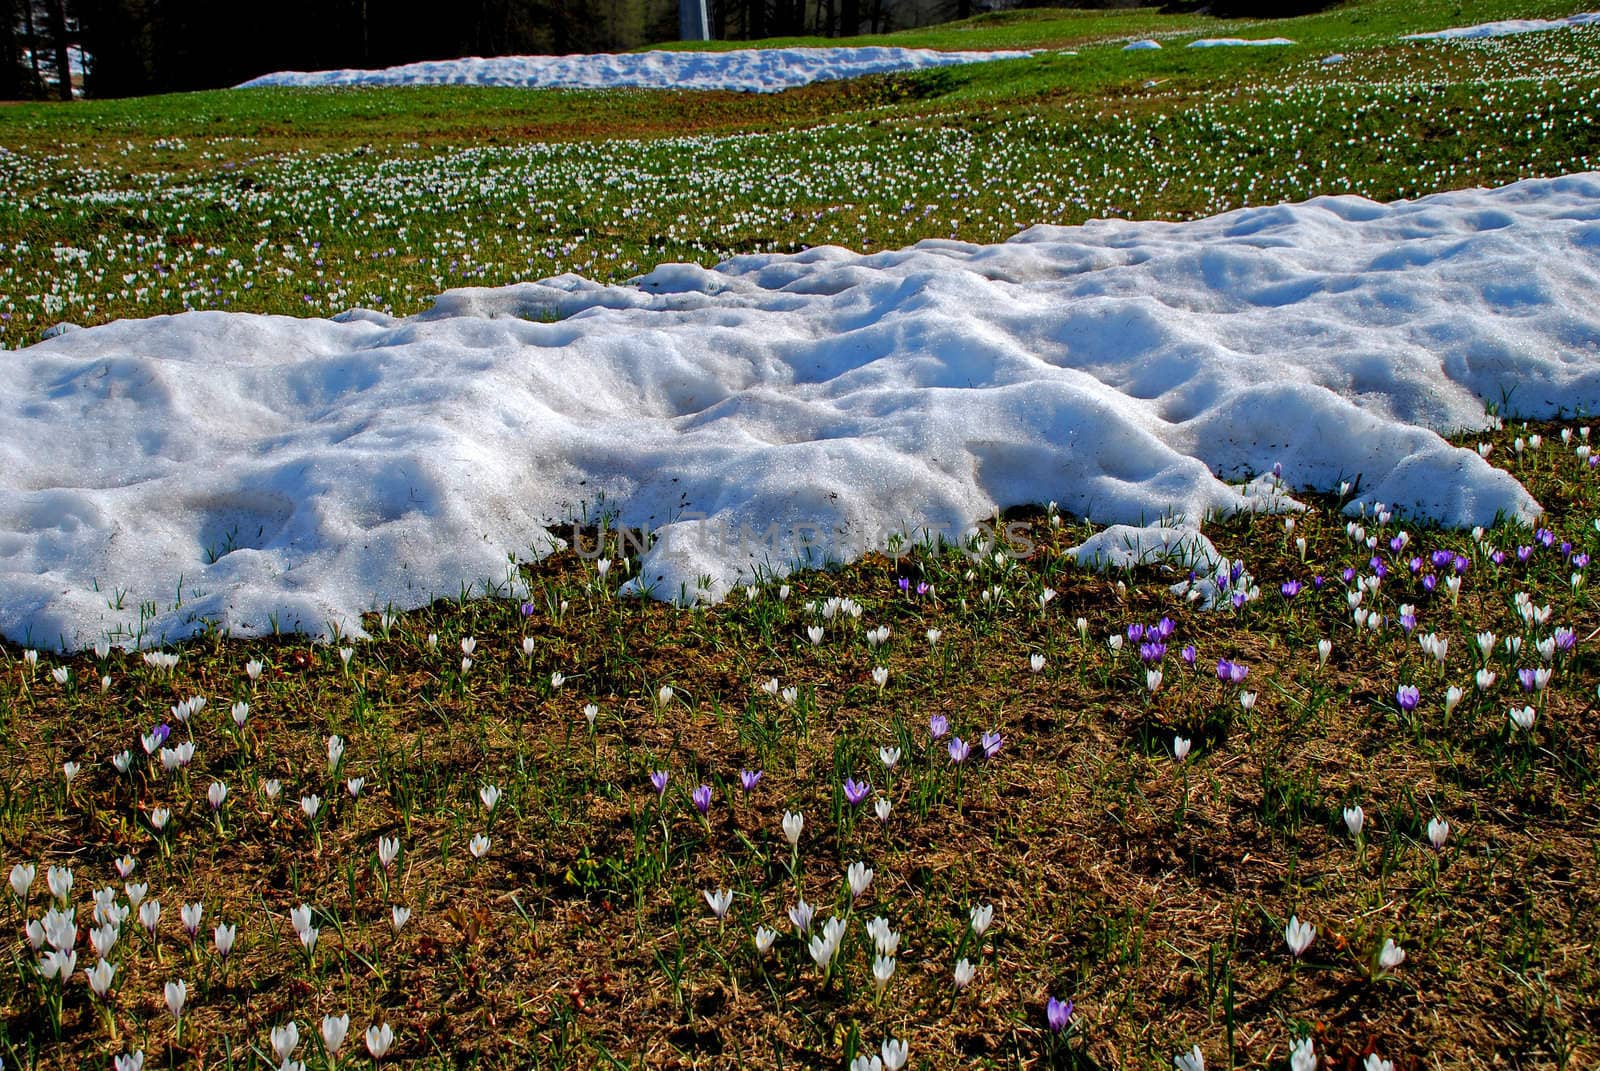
{"x":973,"y":806}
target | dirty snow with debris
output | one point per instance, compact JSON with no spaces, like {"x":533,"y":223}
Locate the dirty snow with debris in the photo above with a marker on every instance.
{"x":765,"y":70}
{"x":254,"y":470}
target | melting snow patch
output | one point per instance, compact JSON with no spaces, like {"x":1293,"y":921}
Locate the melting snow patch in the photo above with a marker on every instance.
{"x":750,"y":70}
{"x":1141,"y":46}
{"x":1329,"y":61}
{"x":260,"y":471}
{"x":1237,"y":42}
{"x":1506,"y":28}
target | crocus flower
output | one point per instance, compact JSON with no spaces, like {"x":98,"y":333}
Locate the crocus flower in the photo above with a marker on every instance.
{"x":965,"y":972}
{"x":992,"y":743}
{"x":1297,"y":935}
{"x":1058,"y":1014}
{"x":719,"y":901}
{"x":938,"y":725}
{"x":1407,"y":697}
{"x":658,"y":780}
{"x":749,"y":779}
{"x":285,"y":1039}
{"x":959,"y":750}
{"x":22,"y":878}
{"x":1438,"y":830}
{"x":859,"y":877}
{"x":379,"y":1040}
{"x":334,"y":1028}
{"x":1391,"y":955}
{"x":702,"y":798}
{"x":856,"y":791}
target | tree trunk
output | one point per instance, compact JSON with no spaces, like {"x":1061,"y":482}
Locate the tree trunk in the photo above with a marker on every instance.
{"x":58,"y":30}
{"x":32,"y":34}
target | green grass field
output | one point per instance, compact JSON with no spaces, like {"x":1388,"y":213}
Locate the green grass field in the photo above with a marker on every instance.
{"x":450,"y":830}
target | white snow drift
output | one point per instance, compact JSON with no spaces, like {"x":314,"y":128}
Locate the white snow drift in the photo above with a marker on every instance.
{"x":751,"y":70}
{"x":275,"y":470}
{"x":1506,"y":28}
{"x":1239,"y":42}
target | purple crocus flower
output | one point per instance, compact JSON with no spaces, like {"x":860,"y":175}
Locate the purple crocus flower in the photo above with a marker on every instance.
{"x":1379,"y":569}
{"x":528,"y":609}
{"x":1499,"y":556}
{"x":1408,"y":622}
{"x":856,"y":791}
{"x":1236,"y":572}
{"x":924,"y":587}
{"x":1407,"y":696}
{"x":749,"y":779}
{"x":1430,"y":582}
{"x":1135,"y":633}
{"x":1189,"y":654}
{"x":1524,"y":553}
{"x":938,"y":725}
{"x":160,"y":733}
{"x":1566,"y":549}
{"x":1239,"y":599}
{"x":659,"y":780}
{"x":1152,"y":652}
{"x":1442,"y":558}
{"x":904,"y":583}
{"x":1461,"y":564}
{"x":992,"y":742}
{"x":1396,"y":545}
{"x":1348,"y":576}
{"x":702,"y":798}
{"x":1415,"y":565}
{"x":1526,"y":679}
{"x":1317,"y":581}
{"x":1224,"y":669}
{"x":1580,"y":561}
{"x":1565,"y":639}
{"x":959,"y":750}
{"x":1058,"y":1014}
{"x":1290,"y":588}
{"x":1166,"y":627}
{"x":1546,"y":538}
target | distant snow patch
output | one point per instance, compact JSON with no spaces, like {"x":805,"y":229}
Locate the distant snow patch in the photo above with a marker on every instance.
{"x":1506,"y":28}
{"x":749,"y":70}
{"x":1238,"y":42}
{"x":1141,"y":46}
{"x":1329,"y":61}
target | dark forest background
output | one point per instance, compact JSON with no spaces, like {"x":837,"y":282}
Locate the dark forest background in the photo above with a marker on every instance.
{"x":117,"y":48}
